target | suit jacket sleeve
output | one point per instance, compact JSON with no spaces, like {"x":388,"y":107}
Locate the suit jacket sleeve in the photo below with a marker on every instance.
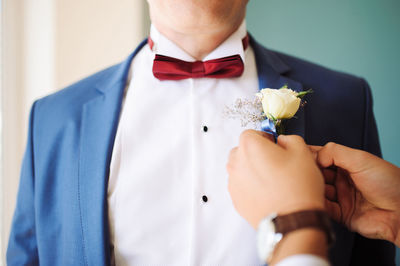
{"x":367,"y":251}
{"x":22,"y":246}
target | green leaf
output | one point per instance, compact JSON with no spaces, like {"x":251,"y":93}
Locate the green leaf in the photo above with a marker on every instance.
{"x":273,"y":118}
{"x":280,"y":130}
{"x":304,"y":93}
{"x":284,"y":87}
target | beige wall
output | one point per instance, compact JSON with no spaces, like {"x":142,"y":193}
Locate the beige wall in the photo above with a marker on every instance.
{"x":11,"y":110}
{"x":46,"y":45}
{"x":111,"y":30}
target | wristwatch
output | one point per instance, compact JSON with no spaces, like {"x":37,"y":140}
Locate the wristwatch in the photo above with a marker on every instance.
{"x":273,"y":228}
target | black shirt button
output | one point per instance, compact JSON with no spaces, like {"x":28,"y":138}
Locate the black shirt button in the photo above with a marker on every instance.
{"x":205,"y":199}
{"x":205,"y":128}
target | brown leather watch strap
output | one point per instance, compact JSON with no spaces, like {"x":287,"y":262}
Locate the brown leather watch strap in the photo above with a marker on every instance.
{"x":304,"y":219}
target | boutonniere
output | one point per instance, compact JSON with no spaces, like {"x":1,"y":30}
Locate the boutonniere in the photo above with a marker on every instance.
{"x":269,"y":108}
{"x":279,"y":105}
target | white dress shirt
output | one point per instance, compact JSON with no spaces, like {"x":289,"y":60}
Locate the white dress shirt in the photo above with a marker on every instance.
{"x":167,"y":195}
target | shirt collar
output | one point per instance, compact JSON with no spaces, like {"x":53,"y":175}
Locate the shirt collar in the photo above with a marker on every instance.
{"x":231,"y":46}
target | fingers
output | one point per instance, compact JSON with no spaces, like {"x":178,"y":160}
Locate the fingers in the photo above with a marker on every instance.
{"x":249,"y":136}
{"x":329,"y":175}
{"x":314,"y":150}
{"x":231,"y":159}
{"x":292,"y":142}
{"x":330,"y":192}
{"x":344,"y":157}
{"x":253,"y":142}
{"x":255,"y":133}
{"x":264,"y":134}
{"x":333,"y":210}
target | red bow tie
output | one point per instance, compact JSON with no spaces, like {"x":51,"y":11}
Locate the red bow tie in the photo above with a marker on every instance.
{"x":169,"y":68}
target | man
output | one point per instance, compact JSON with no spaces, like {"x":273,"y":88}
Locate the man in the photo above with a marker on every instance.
{"x":136,"y":176}
{"x":361,"y":191}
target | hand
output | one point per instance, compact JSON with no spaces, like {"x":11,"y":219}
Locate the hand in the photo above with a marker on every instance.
{"x":363,"y":191}
{"x":265,"y":177}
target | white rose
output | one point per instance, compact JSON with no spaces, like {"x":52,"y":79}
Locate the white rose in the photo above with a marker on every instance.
{"x":279,"y":104}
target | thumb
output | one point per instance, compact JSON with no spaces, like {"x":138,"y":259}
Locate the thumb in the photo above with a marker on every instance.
{"x":260,"y":133}
{"x":254,"y":143}
{"x":291,"y":142}
{"x":351,"y":160}
{"x":251,"y":137}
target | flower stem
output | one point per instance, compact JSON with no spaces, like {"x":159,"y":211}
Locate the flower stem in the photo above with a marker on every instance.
{"x":279,"y":127}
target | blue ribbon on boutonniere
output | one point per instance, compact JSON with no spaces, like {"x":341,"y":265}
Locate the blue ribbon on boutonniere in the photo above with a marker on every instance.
{"x":268,"y":126}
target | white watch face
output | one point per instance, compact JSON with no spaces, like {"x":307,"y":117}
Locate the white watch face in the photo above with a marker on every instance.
{"x":267,"y":238}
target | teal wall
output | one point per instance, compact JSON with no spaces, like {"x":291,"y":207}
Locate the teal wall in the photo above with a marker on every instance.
{"x":361,"y":37}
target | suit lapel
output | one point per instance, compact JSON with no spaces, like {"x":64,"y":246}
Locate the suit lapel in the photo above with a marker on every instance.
{"x":99,"y":125}
{"x":271,"y":70}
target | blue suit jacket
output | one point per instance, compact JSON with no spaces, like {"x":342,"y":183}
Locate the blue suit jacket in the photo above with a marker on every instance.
{"x":61,"y":212}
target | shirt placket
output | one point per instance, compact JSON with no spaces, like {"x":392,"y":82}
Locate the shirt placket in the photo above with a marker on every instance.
{"x":199,"y":199}
{"x":202,"y":199}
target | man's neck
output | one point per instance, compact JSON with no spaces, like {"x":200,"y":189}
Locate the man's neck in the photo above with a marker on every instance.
{"x":199,"y":44}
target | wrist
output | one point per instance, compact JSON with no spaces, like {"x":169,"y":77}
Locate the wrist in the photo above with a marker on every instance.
{"x":304,"y":241}
{"x":301,"y":206}
{"x":306,"y":231}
